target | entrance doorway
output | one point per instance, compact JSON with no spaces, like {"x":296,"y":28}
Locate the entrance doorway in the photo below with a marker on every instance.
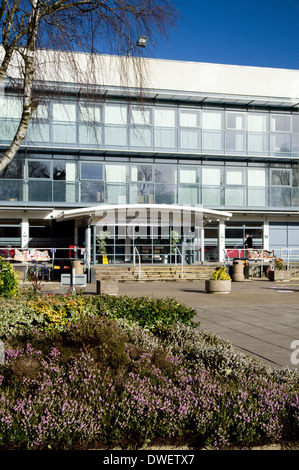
{"x":162,"y":245}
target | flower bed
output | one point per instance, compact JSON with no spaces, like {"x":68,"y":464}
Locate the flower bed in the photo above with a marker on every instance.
{"x":84,"y":372}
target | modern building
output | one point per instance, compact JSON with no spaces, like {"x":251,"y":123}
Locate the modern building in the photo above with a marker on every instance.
{"x":218,"y":144}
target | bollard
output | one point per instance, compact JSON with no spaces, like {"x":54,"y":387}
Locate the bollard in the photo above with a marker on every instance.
{"x":238,"y":274}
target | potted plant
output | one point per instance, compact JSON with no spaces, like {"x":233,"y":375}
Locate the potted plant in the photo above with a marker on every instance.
{"x":101,"y":242}
{"x":220,"y":282}
{"x":174,"y":236}
{"x":174,"y":240}
{"x":279,"y":273}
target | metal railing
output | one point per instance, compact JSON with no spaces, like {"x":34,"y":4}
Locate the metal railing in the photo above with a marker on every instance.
{"x":177,"y":251}
{"x":262,"y":258}
{"x":257,"y":258}
{"x":136,"y":252}
{"x":28,"y":258}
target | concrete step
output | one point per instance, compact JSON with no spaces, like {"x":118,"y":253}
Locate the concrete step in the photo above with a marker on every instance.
{"x":153,"y":273}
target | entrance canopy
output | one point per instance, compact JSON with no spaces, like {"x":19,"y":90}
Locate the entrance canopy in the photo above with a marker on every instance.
{"x":144,"y":214}
{"x":153,"y":231}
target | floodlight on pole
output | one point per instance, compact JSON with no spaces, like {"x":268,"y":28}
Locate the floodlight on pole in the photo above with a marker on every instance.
{"x":142,"y":42}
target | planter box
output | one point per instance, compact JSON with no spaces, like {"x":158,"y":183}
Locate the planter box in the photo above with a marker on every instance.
{"x":107,"y":287}
{"x":218,"y":287}
{"x":277,"y":275}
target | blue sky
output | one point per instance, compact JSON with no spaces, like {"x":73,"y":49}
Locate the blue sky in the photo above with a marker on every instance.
{"x":262,"y":33}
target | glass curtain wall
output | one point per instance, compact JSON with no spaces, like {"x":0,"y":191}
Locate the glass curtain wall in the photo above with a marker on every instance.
{"x":75,"y":123}
{"x":225,"y":185}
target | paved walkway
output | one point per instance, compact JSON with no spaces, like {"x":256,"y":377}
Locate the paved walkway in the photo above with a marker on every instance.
{"x":258,"y":317}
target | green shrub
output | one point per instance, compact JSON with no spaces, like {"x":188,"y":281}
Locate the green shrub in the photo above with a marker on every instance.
{"x":151,"y":313}
{"x":56,"y":312}
{"x":9,"y":280}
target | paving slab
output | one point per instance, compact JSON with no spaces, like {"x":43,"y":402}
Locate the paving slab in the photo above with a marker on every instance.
{"x":258,"y":317}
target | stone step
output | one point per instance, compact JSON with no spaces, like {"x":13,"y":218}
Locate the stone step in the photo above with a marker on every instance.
{"x":153,"y":273}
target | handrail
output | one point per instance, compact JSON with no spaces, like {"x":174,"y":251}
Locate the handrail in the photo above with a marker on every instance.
{"x":139,"y":260}
{"x":176,"y":250}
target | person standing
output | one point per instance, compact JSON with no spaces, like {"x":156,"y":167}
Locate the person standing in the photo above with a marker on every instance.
{"x":248,"y":241}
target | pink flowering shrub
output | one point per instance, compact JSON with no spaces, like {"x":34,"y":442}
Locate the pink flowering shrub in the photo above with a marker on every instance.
{"x":57,"y":394}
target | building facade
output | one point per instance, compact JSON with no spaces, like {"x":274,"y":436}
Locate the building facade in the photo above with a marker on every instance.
{"x":217,"y":137}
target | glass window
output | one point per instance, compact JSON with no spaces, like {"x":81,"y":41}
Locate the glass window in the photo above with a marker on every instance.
{"x":211,"y":176}
{"x":212,"y":120}
{"x":116,"y":193}
{"x":38,"y":132}
{"x":295,"y":142}
{"x":165,"y":193}
{"x":165,"y":117}
{"x":189,"y":139}
{"x":115,"y":135}
{"x":65,"y":134}
{"x":11,"y":190}
{"x":141,"y":137}
{"x":295,"y":176}
{"x":38,"y":169}
{"x":236,"y":121}
{"x":8,"y":129}
{"x":281,"y":143}
{"x":59,"y":172}
{"x":90,"y":134}
{"x":189,"y":118}
{"x":234,"y":176}
{"x":141,"y":173}
{"x":40,"y":191}
{"x":116,"y":114}
{"x":91,"y":171}
{"x":257,"y":123}
{"x":116,"y":173}
{"x":41,"y":112}
{"x":92,"y":191}
{"x":10,"y":108}
{"x":90,"y":113}
{"x":211,"y":196}
{"x":234,"y":197}
{"x":295,"y":197}
{"x":39,"y":231}
{"x":65,"y":112}
{"x":235,"y":141}
{"x":257,"y":177}
{"x":188,"y":175}
{"x":65,"y":191}
{"x":10,"y":234}
{"x":295,"y":121}
{"x":212,"y":139}
{"x":280,"y":197}
{"x":165,"y":138}
{"x":140,"y":116}
{"x":257,"y":197}
{"x":165,"y":173}
{"x":280,"y":123}
{"x":281,"y":178}
{"x":142,"y":193}
{"x":14,"y":170}
{"x":257,"y":143}
{"x":188,"y":195}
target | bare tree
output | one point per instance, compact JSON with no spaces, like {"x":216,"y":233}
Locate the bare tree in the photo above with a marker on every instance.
{"x":96,"y":27}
